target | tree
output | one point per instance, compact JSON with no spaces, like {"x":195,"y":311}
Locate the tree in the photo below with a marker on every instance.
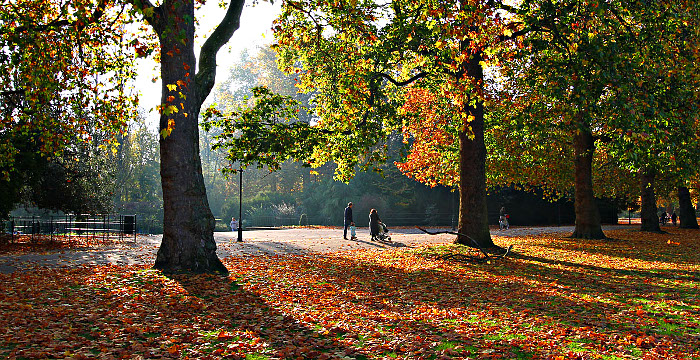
{"x":63,"y":98}
{"x":686,"y":210}
{"x":188,"y":243}
{"x":563,"y":76}
{"x":587,"y":73}
{"x":365,"y":59}
{"x":657,"y":133}
{"x":188,"y":224}
{"x":65,"y":73}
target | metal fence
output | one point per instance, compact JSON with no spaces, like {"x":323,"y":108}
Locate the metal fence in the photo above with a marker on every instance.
{"x":71,"y":225}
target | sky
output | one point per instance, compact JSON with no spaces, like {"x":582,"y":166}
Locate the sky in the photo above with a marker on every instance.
{"x":255,"y":30}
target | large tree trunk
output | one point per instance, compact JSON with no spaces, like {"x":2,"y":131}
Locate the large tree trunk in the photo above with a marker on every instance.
{"x":473,"y":213}
{"x":650,"y":220}
{"x":686,"y":210}
{"x":587,"y":215}
{"x":188,"y":225}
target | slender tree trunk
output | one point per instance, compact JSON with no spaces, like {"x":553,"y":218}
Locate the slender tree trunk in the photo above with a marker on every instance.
{"x":587,"y":215}
{"x":650,"y":220}
{"x":188,"y":224}
{"x":305,"y":177}
{"x":686,"y":210}
{"x":473,"y":213}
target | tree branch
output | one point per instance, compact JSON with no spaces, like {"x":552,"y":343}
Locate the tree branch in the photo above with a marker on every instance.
{"x":154,"y":18}
{"x":405,"y":82}
{"x":94,"y":17}
{"x":207,"y":57}
{"x":12,"y":92}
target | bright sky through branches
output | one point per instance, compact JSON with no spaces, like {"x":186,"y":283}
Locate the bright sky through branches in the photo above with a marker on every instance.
{"x":254,"y":31}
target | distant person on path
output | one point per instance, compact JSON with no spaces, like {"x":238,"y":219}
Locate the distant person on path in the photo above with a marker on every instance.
{"x":234,"y":224}
{"x":674,"y":218}
{"x":503,"y":219}
{"x":347,"y":220}
{"x":374,"y":222}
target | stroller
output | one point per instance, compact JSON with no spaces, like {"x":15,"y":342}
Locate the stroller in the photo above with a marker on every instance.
{"x":503,"y":222}
{"x":383,"y":234}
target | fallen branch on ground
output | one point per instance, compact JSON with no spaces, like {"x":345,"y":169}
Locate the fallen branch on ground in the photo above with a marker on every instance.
{"x":475,"y":244}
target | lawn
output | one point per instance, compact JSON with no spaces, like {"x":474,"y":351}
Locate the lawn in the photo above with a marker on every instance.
{"x":633,"y":296}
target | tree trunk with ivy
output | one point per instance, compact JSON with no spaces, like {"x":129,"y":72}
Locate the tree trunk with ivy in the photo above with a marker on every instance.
{"x":473,"y":212}
{"x":188,"y":224}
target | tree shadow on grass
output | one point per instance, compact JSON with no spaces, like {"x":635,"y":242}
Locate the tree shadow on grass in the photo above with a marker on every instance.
{"x":131,"y":312}
{"x":245,"y":323}
{"x":380,"y":311}
{"x":475,"y":311}
{"x":679,"y":246}
{"x":606,"y":272}
{"x":364,"y":304}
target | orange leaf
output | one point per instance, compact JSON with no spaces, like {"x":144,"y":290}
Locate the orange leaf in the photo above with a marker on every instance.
{"x":223,"y":335}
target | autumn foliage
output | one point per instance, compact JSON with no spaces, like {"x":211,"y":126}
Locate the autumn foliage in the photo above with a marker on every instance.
{"x":66,"y":71}
{"x":634,"y":296}
{"x":432,"y":156}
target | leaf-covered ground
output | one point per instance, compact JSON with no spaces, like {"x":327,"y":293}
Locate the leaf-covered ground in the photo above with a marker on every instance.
{"x":23,"y":244}
{"x":635,"y":296}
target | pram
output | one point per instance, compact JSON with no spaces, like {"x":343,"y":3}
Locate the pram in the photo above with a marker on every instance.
{"x":503,"y":222}
{"x":383,"y":234}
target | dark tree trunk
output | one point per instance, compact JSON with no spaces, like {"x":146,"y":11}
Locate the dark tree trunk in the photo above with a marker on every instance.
{"x":686,"y":210}
{"x":587,"y":215}
{"x":188,"y":225}
{"x":305,"y":177}
{"x":650,"y":220}
{"x":473,"y":213}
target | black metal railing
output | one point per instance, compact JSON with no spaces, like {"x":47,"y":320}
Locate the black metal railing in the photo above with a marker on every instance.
{"x":72,"y":225}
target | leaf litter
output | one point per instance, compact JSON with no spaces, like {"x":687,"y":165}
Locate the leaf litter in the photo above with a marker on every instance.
{"x":630,"y":297}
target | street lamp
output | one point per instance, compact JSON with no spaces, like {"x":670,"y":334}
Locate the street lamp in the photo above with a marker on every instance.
{"x":240,"y":204}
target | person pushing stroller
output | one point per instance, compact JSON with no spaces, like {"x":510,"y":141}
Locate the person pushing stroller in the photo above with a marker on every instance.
{"x":377,"y":229}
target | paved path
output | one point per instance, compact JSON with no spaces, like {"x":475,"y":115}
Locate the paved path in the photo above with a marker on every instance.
{"x":285,"y":241}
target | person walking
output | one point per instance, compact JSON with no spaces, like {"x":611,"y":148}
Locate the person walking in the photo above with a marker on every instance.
{"x":234,"y":224}
{"x":347,"y":220}
{"x":503,"y":219}
{"x":674,"y":218}
{"x":374,"y":222}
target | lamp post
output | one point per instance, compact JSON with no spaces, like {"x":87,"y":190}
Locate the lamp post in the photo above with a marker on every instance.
{"x":240,"y":204}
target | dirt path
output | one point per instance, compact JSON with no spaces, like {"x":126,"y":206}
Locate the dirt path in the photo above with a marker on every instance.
{"x":282,"y":242}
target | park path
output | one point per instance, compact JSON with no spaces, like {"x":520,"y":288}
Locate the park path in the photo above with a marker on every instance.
{"x":294,"y":241}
